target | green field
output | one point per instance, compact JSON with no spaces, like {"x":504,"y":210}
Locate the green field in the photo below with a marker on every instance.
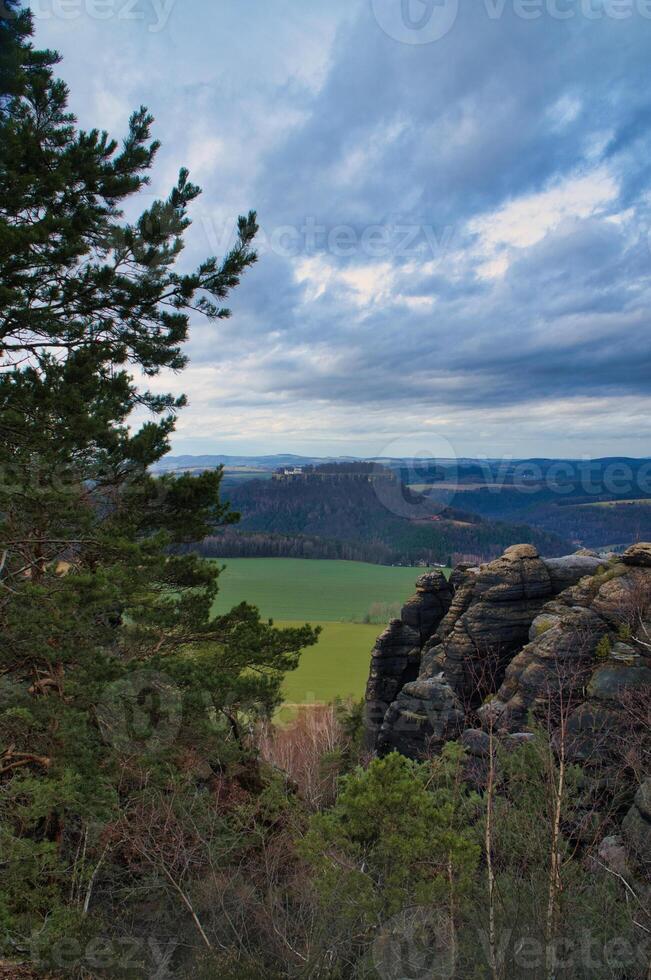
{"x":337,"y":667}
{"x":315,"y":591}
{"x":293,"y":591}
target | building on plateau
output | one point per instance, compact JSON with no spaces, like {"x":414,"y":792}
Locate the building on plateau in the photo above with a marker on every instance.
{"x":288,"y":473}
{"x":335,"y":472}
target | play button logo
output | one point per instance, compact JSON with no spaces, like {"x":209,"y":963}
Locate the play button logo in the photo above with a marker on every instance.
{"x":416,"y":21}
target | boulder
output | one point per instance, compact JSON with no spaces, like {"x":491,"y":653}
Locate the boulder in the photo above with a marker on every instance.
{"x":643,"y":799}
{"x":567,"y":571}
{"x":613,"y":679}
{"x":426,"y":715}
{"x":517,"y":551}
{"x":638,"y":554}
{"x":476,"y":742}
{"x":612,"y":854}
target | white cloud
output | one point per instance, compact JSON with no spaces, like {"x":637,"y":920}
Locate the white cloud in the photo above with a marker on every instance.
{"x":527,"y":331}
{"x":525,"y":221}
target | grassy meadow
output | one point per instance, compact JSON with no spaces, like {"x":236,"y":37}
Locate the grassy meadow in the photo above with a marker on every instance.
{"x":337,"y":595}
{"x":312,"y":590}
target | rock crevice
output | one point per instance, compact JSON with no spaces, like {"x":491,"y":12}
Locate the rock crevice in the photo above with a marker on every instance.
{"x":492,"y":646}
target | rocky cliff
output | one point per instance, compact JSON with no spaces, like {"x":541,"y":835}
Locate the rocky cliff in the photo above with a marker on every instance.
{"x":524,"y":642}
{"x":515,"y":643}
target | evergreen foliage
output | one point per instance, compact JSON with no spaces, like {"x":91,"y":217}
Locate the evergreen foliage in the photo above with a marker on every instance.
{"x":112,"y":669}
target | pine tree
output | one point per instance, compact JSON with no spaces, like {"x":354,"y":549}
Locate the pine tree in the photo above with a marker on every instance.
{"x":398,"y":839}
{"x":105,"y":625}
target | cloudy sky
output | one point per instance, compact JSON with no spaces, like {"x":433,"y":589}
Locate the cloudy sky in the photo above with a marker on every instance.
{"x":455,"y":210}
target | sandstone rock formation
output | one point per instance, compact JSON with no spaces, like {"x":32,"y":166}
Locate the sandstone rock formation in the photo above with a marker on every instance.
{"x":509,"y":638}
{"x":395,"y":660}
{"x":464,"y":658}
{"x":425,"y":610}
{"x":526,"y":642}
{"x":590,"y":648}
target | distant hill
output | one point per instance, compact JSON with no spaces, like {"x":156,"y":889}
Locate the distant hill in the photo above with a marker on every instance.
{"x":356,"y":518}
{"x":595,"y":503}
{"x":260,"y":462}
{"x":557,"y":497}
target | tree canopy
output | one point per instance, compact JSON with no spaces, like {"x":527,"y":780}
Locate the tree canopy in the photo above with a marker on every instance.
{"x":113,"y":668}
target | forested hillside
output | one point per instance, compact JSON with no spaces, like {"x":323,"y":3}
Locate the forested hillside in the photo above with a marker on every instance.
{"x":564,"y":497}
{"x":593,"y":522}
{"x":353,"y":518}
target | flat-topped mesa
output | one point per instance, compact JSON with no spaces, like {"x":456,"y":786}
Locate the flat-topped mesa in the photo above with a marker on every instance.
{"x":487,"y":622}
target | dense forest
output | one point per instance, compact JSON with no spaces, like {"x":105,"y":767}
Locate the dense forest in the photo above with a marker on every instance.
{"x":404,"y":527}
{"x":232,"y":543}
{"x":590,"y":522}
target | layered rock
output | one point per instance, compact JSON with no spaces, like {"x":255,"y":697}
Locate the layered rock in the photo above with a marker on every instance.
{"x":587,"y":652}
{"x":395,"y":659}
{"x":426,"y":714}
{"x":487,"y":622}
{"x":563,"y":643}
{"x":425,"y":610}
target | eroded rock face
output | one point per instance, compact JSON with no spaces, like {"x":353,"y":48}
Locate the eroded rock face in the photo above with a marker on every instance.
{"x":426,"y":715}
{"x":395,"y":660}
{"x":583,"y":653}
{"x":557,"y":657}
{"x":566,"y":572}
{"x":549,"y":640}
{"x":486,"y":624}
{"x":425,"y":610}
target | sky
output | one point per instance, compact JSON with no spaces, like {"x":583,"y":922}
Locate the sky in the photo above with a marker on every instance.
{"x":455,"y":207}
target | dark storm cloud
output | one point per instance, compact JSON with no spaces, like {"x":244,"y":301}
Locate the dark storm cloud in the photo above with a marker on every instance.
{"x":505,"y":165}
{"x":437,"y":135}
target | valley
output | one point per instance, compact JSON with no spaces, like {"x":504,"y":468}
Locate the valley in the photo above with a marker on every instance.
{"x":340,"y":597}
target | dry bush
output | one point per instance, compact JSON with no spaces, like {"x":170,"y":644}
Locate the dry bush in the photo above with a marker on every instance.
{"x":632,"y":741}
{"x":308,"y":751}
{"x":635,"y":610}
{"x":381,"y":613}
